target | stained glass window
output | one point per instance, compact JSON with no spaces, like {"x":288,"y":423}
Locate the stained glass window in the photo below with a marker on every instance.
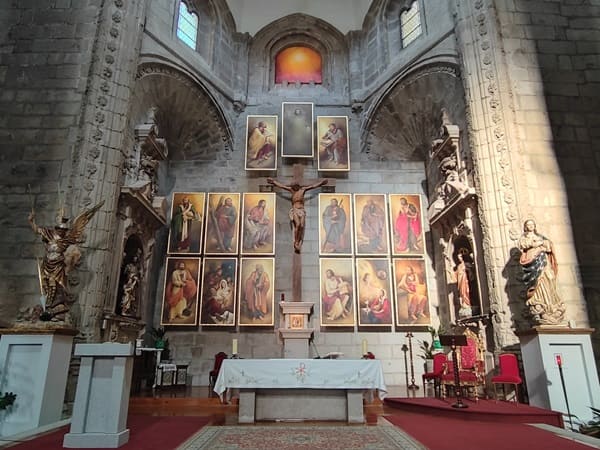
{"x":410,"y":24}
{"x":187,"y":25}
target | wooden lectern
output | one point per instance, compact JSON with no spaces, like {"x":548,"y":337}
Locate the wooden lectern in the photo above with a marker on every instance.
{"x":453,"y":341}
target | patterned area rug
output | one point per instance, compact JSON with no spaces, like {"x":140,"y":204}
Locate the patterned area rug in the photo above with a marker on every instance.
{"x":301,"y":437}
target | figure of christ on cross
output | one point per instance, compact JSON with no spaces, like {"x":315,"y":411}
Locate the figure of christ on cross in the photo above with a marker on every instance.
{"x":297,"y":213}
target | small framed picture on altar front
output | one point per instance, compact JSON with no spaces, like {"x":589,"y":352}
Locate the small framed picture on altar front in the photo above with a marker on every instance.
{"x":337,"y":292}
{"x":257,"y":297}
{"x":187,"y":221}
{"x":261,"y":143}
{"x":296,"y":321}
{"x":371,"y":230}
{"x":258,"y":223}
{"x":222,"y":223}
{"x":375,"y":307}
{"x":406,"y":219}
{"x":335,"y":224}
{"x":180,"y":295}
{"x":333,"y":153}
{"x":297,"y":133}
{"x":219,"y":287}
{"x":412,"y":296}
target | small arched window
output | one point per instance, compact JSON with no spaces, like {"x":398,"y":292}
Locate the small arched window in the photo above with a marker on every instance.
{"x":410,"y":24}
{"x":298,"y":63}
{"x":187,"y":25}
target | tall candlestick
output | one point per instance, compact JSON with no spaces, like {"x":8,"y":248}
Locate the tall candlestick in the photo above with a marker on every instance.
{"x":365,"y":348}
{"x":234,"y":347}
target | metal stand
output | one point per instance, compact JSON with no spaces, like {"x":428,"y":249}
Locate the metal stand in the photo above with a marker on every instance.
{"x":404,"y":350}
{"x":412,"y":386}
{"x":459,"y":340}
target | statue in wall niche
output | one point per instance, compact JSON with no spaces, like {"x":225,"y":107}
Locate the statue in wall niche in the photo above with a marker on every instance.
{"x":452,"y":184}
{"x":463,"y":273}
{"x":539,"y":271}
{"x":62,"y":255}
{"x":132,"y":276}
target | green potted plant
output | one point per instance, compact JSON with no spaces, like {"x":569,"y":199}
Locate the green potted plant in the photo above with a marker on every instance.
{"x":158,"y":334}
{"x":426,"y":352}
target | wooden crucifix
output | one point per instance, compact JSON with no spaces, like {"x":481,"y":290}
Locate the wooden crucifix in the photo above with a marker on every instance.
{"x":297,"y":188}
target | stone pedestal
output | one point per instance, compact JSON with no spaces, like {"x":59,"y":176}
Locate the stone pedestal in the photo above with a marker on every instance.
{"x":35,"y":363}
{"x":296,"y":334}
{"x":540,"y":347}
{"x":102,"y":396}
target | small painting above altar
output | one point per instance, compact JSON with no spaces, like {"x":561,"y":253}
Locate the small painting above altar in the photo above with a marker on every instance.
{"x":335,"y":224}
{"x":180,"y":295}
{"x":407,"y":224}
{"x":222,"y":223}
{"x":261,"y":143}
{"x":256,"y":300}
{"x":258,"y":223}
{"x":297,"y":135}
{"x":187,"y":218}
{"x":374,"y":292}
{"x":334,"y":151}
{"x":337,"y":292}
{"x":412,"y":296}
{"x":219,"y":287}
{"x":371,"y":225}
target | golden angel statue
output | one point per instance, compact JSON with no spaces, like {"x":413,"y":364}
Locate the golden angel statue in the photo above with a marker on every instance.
{"x":62,"y":255}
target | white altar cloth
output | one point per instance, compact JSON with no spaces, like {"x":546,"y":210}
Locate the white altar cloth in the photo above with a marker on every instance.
{"x":366,"y":374}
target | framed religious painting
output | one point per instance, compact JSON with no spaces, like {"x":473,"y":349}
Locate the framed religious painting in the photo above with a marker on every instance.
{"x":412,"y":296}
{"x":219,"y":288}
{"x":297,"y":135}
{"x":180,"y":294}
{"x":261,"y":143}
{"x":335,"y":224}
{"x":258,"y":223}
{"x":222,"y":223}
{"x":333,"y":153}
{"x":187,"y":221}
{"x":338,"y":308}
{"x":371,"y":231}
{"x":373,"y":280}
{"x":257,"y":298}
{"x":406,"y":222}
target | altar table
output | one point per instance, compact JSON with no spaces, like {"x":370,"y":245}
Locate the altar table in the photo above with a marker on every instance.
{"x":301,"y":389}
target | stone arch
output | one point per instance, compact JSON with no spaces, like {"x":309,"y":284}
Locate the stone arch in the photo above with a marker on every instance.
{"x":406,"y":116}
{"x":303,"y":30}
{"x":188,"y":117}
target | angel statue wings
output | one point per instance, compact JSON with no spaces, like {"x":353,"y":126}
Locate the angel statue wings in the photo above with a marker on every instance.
{"x":62,"y":255}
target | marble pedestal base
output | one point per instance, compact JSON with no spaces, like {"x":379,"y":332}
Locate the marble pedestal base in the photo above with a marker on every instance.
{"x":102,"y":396}
{"x":34,"y":366}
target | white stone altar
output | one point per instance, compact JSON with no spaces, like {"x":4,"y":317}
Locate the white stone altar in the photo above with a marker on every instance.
{"x":35,"y":364}
{"x":540,"y":346}
{"x":301,"y":389}
{"x":102,"y":397}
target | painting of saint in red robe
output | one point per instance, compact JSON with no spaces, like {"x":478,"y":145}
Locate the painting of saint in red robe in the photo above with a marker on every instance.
{"x":255,"y":307}
{"x":180,"y":300}
{"x":374,"y":292}
{"x":407,"y":226}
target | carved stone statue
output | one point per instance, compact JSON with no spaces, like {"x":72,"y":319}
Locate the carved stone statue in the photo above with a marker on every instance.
{"x":297,"y":213}
{"x":463,"y":273}
{"x":62,"y":255}
{"x":539,"y":266}
{"x":132,"y":276}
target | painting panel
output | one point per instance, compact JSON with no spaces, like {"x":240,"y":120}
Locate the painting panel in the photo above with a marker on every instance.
{"x":257,"y":295}
{"x":412,"y":296}
{"x":261,"y":143}
{"x":180,"y":294}
{"x":335,"y":224}
{"x":337,"y":292}
{"x":333,"y":149}
{"x":187,"y":221}
{"x":371,"y":226}
{"x":258,"y":223}
{"x":222,"y":223}
{"x":219,"y":286}
{"x":297,"y":133}
{"x":375,"y":303}
{"x":406,"y":222}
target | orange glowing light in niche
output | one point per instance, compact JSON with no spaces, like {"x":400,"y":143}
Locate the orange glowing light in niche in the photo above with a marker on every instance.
{"x":301,"y":64}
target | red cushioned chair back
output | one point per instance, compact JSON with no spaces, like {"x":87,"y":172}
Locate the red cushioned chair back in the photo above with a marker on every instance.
{"x":439,"y":362}
{"x":468,"y":354}
{"x":508,"y":365}
{"x":219,"y":357}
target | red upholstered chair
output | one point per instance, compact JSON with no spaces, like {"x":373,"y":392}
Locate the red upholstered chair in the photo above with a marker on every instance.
{"x":214,"y":373}
{"x":471,"y":367}
{"x":509,"y":374}
{"x":439,"y":366}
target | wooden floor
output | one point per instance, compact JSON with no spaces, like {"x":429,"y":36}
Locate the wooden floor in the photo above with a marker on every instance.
{"x":195,"y":401}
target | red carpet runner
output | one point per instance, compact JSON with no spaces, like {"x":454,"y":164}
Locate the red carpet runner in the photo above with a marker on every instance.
{"x":440,"y":433}
{"x":146,"y":433}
